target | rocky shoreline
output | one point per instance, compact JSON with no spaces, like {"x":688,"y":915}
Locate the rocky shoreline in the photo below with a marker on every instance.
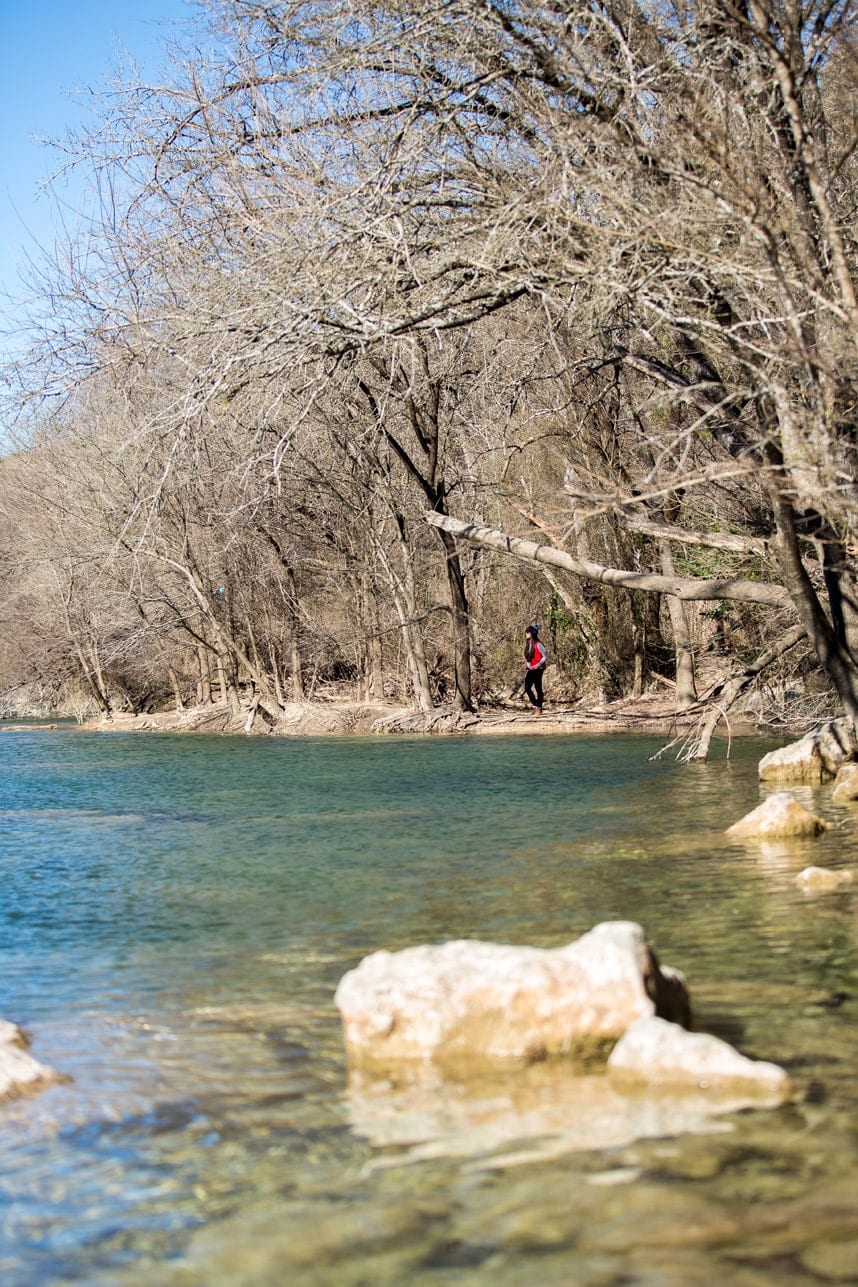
{"x":648,"y":715}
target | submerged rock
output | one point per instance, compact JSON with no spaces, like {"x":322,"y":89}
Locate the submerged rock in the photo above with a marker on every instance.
{"x":19,"y":1071}
{"x":469,"y":1001}
{"x":654,"y":1051}
{"x":780,"y":816}
{"x":846,"y":784}
{"x":821,"y":879}
{"x":815,"y":758}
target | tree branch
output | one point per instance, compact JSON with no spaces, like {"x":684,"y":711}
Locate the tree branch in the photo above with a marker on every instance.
{"x":711,"y":540}
{"x":688,"y":588}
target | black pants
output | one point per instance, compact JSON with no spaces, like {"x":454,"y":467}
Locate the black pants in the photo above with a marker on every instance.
{"x":533,"y":686}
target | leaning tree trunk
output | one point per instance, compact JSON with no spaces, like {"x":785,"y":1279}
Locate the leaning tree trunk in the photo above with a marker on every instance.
{"x":92,"y":673}
{"x":689,"y":588}
{"x":728,"y":694}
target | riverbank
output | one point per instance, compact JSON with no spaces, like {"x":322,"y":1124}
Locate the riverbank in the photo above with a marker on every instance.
{"x":652,"y":713}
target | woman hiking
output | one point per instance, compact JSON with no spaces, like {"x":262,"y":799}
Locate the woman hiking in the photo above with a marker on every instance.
{"x":536,"y":659}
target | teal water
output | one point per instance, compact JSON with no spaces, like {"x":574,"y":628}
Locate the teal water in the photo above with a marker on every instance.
{"x":175,"y":914}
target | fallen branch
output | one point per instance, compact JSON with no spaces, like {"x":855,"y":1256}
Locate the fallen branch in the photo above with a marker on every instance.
{"x":751,"y":545}
{"x":695,"y":744}
{"x":686,"y":588}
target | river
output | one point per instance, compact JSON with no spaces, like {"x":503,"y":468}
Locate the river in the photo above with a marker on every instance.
{"x":175,"y":914}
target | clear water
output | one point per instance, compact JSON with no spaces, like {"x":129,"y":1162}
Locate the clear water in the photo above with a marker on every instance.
{"x":175,"y":914}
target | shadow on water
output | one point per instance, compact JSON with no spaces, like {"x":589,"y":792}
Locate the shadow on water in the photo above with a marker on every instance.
{"x":176,"y":913}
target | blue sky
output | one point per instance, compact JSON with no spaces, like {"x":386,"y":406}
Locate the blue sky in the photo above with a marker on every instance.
{"x":51,"y":55}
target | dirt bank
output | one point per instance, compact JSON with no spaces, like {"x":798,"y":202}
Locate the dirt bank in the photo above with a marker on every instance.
{"x":650,"y":714}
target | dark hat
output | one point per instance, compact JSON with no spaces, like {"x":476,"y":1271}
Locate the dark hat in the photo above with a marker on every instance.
{"x":532,"y":630}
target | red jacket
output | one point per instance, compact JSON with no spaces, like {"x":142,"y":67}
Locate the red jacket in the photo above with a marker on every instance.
{"x":535,"y":655}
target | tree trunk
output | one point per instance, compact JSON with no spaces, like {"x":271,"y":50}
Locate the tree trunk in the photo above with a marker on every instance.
{"x":370,"y":679}
{"x":375,"y":688}
{"x":461,"y":623}
{"x":296,"y":668}
{"x":842,"y":593}
{"x":637,"y":684}
{"x":834,"y":658}
{"x":94,"y":681}
{"x":204,"y":683}
{"x":176,"y":687}
{"x":226,"y":683}
{"x":686,"y":691}
{"x":274,"y":663}
{"x":296,"y":660}
{"x":403,"y":592}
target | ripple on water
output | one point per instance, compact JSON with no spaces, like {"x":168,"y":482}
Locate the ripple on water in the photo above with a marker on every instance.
{"x":176,"y":913}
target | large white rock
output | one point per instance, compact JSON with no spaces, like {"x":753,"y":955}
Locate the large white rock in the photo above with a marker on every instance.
{"x":19,"y":1071}
{"x":780,"y":816}
{"x":815,"y":758}
{"x":818,"y":880}
{"x":652,"y":1050}
{"x":846,"y":784}
{"x":466,"y":1000}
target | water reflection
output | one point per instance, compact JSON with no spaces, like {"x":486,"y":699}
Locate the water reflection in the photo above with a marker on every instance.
{"x":532,"y":1114}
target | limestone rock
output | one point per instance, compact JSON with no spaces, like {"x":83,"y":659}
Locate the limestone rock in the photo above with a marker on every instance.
{"x":846,"y":784}
{"x":19,"y":1071}
{"x":780,"y":816}
{"x":655,"y":1051}
{"x":821,"y":879}
{"x":468,"y":1001}
{"x":814,"y":758}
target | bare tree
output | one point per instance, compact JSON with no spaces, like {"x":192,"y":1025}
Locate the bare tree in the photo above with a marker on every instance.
{"x":664,"y":176}
{"x":665,"y":194}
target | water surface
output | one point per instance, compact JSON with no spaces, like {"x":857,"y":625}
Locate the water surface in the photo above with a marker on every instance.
{"x":175,"y":913}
